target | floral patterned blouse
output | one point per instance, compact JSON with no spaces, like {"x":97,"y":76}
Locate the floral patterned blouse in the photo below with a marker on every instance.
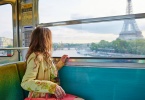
{"x":39,"y":77}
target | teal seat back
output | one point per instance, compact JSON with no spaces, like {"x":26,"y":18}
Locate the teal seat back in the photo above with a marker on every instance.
{"x":93,"y":83}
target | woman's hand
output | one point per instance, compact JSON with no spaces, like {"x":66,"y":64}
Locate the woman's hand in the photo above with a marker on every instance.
{"x":59,"y":92}
{"x":64,"y":58}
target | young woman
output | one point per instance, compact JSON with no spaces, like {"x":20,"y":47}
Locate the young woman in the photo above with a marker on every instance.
{"x":41,"y":73}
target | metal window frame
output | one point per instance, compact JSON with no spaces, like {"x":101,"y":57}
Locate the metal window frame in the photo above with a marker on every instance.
{"x":93,"y":20}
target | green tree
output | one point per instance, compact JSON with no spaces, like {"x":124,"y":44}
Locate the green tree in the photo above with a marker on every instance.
{"x":93,"y":46}
{"x":120,"y":46}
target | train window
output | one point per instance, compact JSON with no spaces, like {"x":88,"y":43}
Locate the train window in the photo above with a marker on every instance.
{"x":114,"y":39}
{"x":104,"y":39}
{"x":6,"y":30}
{"x":60,"y":10}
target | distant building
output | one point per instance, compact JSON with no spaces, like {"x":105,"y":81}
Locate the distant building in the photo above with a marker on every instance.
{"x":130,"y":30}
{"x":4,"y":42}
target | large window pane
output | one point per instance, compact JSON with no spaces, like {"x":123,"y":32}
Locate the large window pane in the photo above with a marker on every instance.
{"x":98,"y":40}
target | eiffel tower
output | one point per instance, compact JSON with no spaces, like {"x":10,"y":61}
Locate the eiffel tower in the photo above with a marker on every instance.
{"x":130,"y":30}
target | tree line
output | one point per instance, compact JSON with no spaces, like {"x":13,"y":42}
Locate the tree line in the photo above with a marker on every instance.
{"x":121,"y":46}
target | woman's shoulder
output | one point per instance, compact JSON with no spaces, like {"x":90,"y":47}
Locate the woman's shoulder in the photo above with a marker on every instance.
{"x":39,"y":56}
{"x":36,"y":56}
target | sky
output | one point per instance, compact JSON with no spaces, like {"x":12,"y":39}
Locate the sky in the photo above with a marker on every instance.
{"x":6,"y":21}
{"x":61,"y":10}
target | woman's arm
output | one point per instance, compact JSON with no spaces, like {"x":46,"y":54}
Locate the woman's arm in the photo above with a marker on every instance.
{"x":61,"y":62}
{"x":30,"y":83}
{"x":59,"y":65}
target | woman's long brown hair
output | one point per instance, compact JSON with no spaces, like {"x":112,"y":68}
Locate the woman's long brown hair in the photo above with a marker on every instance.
{"x":41,"y":43}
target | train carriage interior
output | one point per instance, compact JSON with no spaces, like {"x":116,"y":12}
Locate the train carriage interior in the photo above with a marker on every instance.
{"x":104,"y":39}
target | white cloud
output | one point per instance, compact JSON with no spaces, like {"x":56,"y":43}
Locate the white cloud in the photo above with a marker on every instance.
{"x":101,"y":8}
{"x":67,"y":35}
